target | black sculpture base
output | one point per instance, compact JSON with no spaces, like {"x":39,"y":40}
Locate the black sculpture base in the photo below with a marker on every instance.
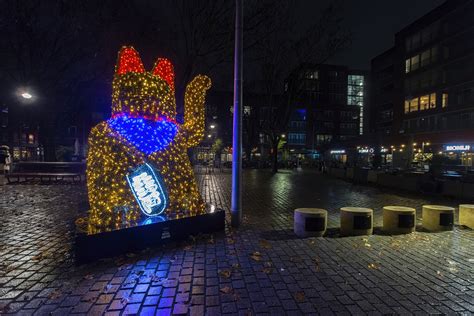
{"x":108,"y":244}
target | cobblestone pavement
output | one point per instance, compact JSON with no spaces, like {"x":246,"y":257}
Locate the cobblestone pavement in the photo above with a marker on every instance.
{"x":259,"y":269}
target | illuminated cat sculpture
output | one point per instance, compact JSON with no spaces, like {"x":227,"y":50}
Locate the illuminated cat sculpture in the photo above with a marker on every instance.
{"x":137,"y":165}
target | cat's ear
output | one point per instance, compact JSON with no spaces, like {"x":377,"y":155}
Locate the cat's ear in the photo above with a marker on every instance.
{"x":165,"y":70}
{"x":128,"y":61}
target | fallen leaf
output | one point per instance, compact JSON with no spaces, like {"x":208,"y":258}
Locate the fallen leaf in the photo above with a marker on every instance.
{"x":300,"y":297}
{"x":236,"y":296}
{"x":88,"y":277}
{"x":265,"y":244}
{"x":54,"y":295}
{"x":226,"y":290}
{"x":107,"y":288}
{"x":316,"y":261}
{"x":372,"y":266}
{"x":267,"y":270}
{"x":236,"y":266}
{"x":124,"y":300}
{"x":257,"y":256}
{"x":225,"y":273}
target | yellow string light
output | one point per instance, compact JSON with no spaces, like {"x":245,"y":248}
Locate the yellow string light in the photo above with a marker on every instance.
{"x":112,"y":156}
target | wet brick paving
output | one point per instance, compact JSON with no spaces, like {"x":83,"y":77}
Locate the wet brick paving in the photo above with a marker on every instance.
{"x":262,"y":268}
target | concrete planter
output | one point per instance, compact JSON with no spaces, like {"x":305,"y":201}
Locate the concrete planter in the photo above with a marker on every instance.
{"x":438,"y":217}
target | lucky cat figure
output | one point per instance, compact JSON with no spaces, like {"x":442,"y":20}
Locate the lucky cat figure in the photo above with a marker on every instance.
{"x":142,"y":142}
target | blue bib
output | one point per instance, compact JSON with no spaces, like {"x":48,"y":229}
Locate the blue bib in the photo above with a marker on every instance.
{"x":148,"y":136}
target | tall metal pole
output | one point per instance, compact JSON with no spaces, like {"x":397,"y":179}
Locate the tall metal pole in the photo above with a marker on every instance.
{"x":236,"y":207}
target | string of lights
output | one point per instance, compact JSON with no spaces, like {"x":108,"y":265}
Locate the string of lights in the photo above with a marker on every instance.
{"x":143,"y":130}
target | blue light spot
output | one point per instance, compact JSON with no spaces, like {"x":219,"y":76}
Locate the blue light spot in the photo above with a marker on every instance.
{"x":147,"y":135}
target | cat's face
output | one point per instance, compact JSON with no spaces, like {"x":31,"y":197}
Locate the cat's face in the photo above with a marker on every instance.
{"x":137,"y":92}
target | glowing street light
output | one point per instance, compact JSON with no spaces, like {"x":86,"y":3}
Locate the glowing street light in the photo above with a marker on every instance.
{"x":212,"y":126}
{"x":26,"y":95}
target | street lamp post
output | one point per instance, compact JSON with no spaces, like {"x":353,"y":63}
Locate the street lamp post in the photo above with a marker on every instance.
{"x":236,"y":207}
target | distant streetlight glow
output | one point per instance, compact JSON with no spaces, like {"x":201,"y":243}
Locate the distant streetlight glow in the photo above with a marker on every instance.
{"x":209,"y":136}
{"x":26,"y":95}
{"x":212,"y":126}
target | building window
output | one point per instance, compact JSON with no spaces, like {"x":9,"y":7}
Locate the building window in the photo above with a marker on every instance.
{"x":414,"y":105}
{"x":323,"y":139}
{"x":434,"y":54}
{"x":415,"y":61}
{"x":296,"y":138}
{"x":31,"y":139}
{"x":433,"y":101}
{"x":444,"y":101}
{"x":421,"y":103}
{"x":328,"y":125}
{"x":355,"y":96}
{"x":424,"y":101}
{"x":425,"y":58}
{"x":312,"y":74}
{"x":446,"y":52}
{"x":407,"y":65}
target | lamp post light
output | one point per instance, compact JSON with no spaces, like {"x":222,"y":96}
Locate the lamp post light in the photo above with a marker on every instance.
{"x":26,"y":95}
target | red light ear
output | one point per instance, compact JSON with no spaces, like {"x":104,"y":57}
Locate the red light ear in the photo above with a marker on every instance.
{"x":164,"y":69}
{"x":128,"y":61}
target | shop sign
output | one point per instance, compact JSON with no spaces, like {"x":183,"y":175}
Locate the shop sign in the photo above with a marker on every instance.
{"x":458,"y":147}
{"x":366,"y":150}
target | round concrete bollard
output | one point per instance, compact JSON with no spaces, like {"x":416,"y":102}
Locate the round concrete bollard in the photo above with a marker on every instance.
{"x":438,"y":217}
{"x":399,"y":219}
{"x":466,"y":215}
{"x":310,"y":222}
{"x":356,"y":221}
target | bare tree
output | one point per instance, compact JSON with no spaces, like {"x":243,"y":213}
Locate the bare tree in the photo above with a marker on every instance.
{"x":281,"y":58}
{"x":52,"y":49}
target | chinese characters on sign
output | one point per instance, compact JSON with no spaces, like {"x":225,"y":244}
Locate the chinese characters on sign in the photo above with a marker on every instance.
{"x":148,"y":189}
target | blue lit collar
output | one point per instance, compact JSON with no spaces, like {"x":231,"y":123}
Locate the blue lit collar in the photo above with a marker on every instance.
{"x":147,"y":135}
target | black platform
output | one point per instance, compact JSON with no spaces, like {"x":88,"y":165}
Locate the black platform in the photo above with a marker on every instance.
{"x":107,"y":244}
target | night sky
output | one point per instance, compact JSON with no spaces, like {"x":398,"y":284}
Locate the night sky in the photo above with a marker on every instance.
{"x":373,"y":23}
